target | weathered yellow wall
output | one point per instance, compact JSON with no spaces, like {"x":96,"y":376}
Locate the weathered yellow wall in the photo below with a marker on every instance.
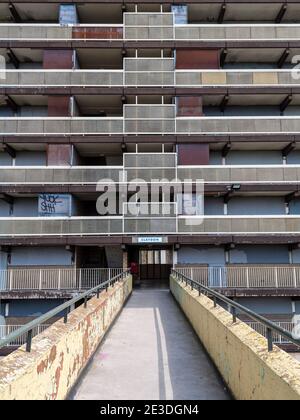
{"x":239,"y":353}
{"x":59,"y":354}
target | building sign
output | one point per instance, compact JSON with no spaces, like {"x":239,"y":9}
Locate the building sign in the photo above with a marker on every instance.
{"x":181,"y":14}
{"x":150,"y":240}
{"x":54,"y":205}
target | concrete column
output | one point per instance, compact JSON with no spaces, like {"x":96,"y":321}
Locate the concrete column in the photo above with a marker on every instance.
{"x":125,"y":260}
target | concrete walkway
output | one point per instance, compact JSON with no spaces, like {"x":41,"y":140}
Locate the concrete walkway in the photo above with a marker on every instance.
{"x":151,"y":353}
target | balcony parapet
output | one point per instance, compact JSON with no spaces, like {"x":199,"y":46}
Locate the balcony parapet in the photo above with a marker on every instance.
{"x":149,"y":119}
{"x":144,"y":225}
{"x":150,"y":72}
{"x":150,"y":26}
{"x":163,"y":169}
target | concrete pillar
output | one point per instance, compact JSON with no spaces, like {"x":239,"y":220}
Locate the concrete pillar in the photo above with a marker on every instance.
{"x":125,"y":260}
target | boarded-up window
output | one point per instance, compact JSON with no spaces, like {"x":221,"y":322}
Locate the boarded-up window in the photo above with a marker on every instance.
{"x":197,"y":59}
{"x":193,"y":154}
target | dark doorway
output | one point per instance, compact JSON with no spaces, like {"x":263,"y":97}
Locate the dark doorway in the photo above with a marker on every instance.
{"x":155,"y":267}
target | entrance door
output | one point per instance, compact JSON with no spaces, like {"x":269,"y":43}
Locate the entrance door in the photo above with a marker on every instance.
{"x":155,"y":267}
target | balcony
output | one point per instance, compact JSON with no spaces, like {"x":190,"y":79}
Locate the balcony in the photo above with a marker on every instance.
{"x":150,"y":26}
{"x":53,"y":279}
{"x":150,"y":73}
{"x":167,"y":225}
{"x":149,"y":119}
{"x":144,"y":169}
{"x":57,"y":32}
{"x":245,"y":277}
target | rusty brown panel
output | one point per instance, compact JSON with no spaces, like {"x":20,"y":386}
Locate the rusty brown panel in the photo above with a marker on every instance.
{"x":197,"y":59}
{"x":189,"y":106}
{"x":193,"y":154}
{"x":58,"y":106}
{"x":58,"y":59}
{"x":59,"y":154}
{"x":97,"y":33}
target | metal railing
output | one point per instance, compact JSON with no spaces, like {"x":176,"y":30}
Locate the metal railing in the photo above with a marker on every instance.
{"x":277,"y":338}
{"x":6,"y":330}
{"x":17,"y":279}
{"x":272,"y":329}
{"x":245,"y":277}
{"x":65,"y":308}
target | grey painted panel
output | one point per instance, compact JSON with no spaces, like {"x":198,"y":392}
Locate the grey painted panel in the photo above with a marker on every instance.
{"x":25,"y":207}
{"x":236,"y":111}
{"x":4,"y":209}
{"x":201,"y":255}
{"x":31,"y":159}
{"x":213,"y":206}
{"x":215,"y":158}
{"x":5,"y":159}
{"x":267,"y":305}
{"x":256,"y":206}
{"x":32,"y":308}
{"x":296,"y":256}
{"x":297,"y":305}
{"x":249,"y":157}
{"x":294,"y":158}
{"x":22,"y":256}
{"x":3,"y":266}
{"x":260,"y":254}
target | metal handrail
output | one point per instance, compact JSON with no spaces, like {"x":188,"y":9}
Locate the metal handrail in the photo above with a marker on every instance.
{"x":27,"y":328}
{"x":233,"y":306}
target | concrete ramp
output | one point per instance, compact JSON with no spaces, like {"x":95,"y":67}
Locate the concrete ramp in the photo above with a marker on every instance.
{"x":151,"y":353}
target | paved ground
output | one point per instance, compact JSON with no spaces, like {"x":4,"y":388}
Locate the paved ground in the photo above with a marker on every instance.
{"x":151,"y":353}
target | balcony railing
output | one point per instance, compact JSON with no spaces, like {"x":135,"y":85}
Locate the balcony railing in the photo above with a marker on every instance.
{"x":22,"y":279}
{"x":245,"y":277}
{"x":167,"y":225}
{"x":5,"y":330}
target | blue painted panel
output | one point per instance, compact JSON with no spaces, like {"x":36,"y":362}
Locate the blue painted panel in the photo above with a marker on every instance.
{"x":295,"y":206}
{"x":181,"y":14}
{"x":55,"y":205}
{"x":260,"y":254}
{"x":68,"y":14}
